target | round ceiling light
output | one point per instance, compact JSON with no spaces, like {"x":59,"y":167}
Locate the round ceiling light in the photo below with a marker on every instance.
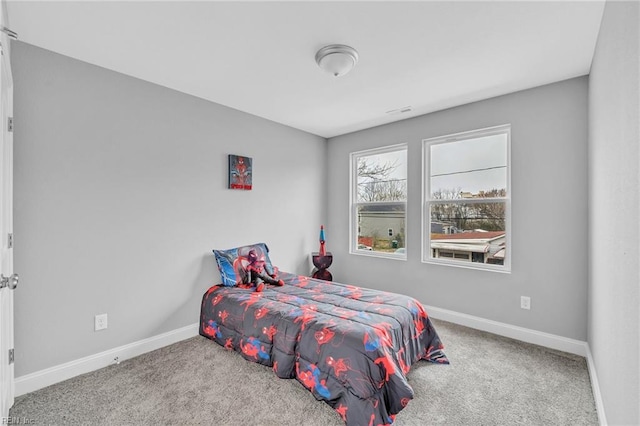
{"x":337,"y":59}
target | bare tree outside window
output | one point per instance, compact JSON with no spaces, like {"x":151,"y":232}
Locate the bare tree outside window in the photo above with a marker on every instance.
{"x":375,"y":181}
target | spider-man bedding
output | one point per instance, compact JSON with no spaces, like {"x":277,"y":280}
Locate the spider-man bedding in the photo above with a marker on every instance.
{"x":351,"y":347}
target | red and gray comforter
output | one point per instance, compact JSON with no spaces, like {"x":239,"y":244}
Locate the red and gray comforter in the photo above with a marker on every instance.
{"x":351,"y":347}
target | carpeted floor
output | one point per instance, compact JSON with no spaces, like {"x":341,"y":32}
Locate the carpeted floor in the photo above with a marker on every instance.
{"x":491,"y":381}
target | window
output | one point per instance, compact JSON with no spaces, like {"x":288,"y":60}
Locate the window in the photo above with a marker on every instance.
{"x":467,"y":199}
{"x":379,"y":202}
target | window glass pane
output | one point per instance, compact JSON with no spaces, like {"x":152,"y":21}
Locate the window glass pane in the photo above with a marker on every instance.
{"x":381,"y":227}
{"x":378,"y":205}
{"x":473,"y":232}
{"x":470,"y":168}
{"x":382,"y":177}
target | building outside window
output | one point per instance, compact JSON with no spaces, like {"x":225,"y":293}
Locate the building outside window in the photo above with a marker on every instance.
{"x":467,"y":199}
{"x":379,"y":201}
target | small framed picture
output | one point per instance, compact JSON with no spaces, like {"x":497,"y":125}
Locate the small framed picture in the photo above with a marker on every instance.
{"x":240,"y":172}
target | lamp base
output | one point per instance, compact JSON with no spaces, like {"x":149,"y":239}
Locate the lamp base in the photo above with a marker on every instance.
{"x":322,"y":274}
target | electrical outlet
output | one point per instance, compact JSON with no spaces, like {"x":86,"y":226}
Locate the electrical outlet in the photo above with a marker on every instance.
{"x":101,"y":322}
{"x":525,"y":302}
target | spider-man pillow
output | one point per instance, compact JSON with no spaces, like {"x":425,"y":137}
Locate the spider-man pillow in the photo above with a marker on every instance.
{"x":232,"y":262}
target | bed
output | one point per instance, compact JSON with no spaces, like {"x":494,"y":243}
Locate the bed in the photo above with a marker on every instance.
{"x":351,"y":347}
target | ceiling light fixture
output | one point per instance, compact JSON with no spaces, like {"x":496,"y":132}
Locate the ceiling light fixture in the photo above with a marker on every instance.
{"x":337,"y":59}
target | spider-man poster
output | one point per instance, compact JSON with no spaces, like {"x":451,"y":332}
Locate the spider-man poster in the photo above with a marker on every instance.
{"x":240,"y":172}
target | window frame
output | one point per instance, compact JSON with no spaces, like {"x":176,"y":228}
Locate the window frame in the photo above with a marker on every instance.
{"x":354,"y":203}
{"x":428,"y":201}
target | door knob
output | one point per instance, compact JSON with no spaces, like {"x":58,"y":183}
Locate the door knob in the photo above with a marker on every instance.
{"x":11,"y":282}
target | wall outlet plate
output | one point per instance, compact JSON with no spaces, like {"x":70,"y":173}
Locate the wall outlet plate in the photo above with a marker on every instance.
{"x":525,"y":302}
{"x":100,"y":322}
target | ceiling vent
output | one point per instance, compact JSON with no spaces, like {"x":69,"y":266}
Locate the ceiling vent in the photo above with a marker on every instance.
{"x":400,"y":110}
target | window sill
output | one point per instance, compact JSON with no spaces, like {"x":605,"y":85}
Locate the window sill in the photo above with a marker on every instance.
{"x":378,"y":254}
{"x":469,"y":265}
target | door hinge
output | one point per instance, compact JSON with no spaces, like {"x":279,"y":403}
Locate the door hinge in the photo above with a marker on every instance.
{"x":11,"y":34}
{"x":10,"y":240}
{"x":12,"y":357}
{"x":10,"y":124}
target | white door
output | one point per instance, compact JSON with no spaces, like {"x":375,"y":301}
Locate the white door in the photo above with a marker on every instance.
{"x":9,"y":281}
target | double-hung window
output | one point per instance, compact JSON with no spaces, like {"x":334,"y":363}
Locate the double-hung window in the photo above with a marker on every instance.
{"x":467,"y":199}
{"x":379,"y":202}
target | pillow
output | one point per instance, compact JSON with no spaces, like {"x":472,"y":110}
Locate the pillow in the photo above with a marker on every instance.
{"x":232,"y":262}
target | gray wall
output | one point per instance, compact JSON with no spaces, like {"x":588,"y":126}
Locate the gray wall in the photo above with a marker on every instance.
{"x":549,"y":212}
{"x":614,"y":208}
{"x":120,"y":194}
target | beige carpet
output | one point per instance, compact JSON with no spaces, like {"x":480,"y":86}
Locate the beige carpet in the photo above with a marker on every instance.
{"x":491,"y":381}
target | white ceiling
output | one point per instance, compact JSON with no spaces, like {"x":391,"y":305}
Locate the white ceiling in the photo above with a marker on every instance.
{"x":258,"y":57}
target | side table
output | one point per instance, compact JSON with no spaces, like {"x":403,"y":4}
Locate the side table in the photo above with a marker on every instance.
{"x":321,"y":263}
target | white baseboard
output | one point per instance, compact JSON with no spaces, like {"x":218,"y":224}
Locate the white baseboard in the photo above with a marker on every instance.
{"x":565,"y":344}
{"x":43,"y":378}
{"x":595,"y":387}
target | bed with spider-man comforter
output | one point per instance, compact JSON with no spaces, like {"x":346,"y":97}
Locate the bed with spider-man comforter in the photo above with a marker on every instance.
{"x":351,"y":347}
